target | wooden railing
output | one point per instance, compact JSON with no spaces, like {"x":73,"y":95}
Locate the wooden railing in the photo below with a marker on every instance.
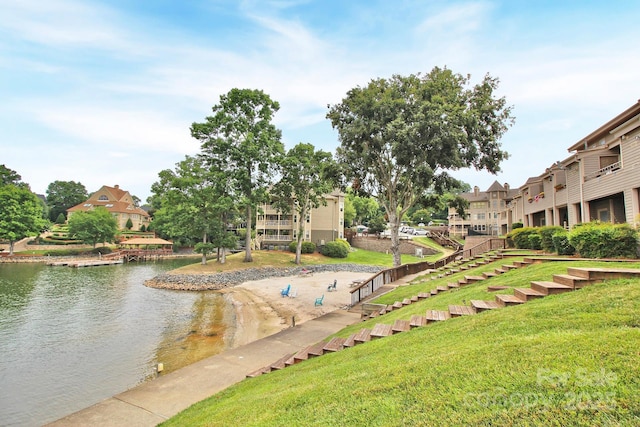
{"x":390,"y":275}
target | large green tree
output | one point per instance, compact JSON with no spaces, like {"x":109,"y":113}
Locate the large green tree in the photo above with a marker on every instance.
{"x":94,"y":226}
{"x":61,"y":195}
{"x":9,"y":176}
{"x":240,"y":140}
{"x":193,"y":204}
{"x":21,"y":214}
{"x":403,"y":135}
{"x":307,"y":176}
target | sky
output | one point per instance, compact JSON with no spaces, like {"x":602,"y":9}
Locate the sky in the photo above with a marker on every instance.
{"x":105,"y":92}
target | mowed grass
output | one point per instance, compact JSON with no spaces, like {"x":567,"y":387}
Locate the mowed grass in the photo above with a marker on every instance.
{"x":564,"y":360}
{"x":285,"y":259}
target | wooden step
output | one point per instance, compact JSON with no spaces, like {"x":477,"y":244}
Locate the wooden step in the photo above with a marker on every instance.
{"x":500,"y":271}
{"x":300,"y":356}
{"x":414,"y":298}
{"x":461,"y":310}
{"x":573,"y":281}
{"x":374,"y":314}
{"x":508,"y":267}
{"x":550,"y":288}
{"x":464,"y":267}
{"x":527,"y":294}
{"x":280,"y":363}
{"x":434,"y":292}
{"x":601,"y":273}
{"x":396,"y":305}
{"x":496,"y":288}
{"x":481,"y":305}
{"x":350,"y":341}
{"x":317,"y":349}
{"x":442,"y":288}
{"x":389,"y":308}
{"x":406,"y":301}
{"x":335,"y":344}
{"x":453,"y":285}
{"x":417,"y":321}
{"x":521,"y":264}
{"x":400,"y":326}
{"x":424,"y":295}
{"x":473,"y":279}
{"x":259,"y":372}
{"x":505,"y":300}
{"x":473,"y":265}
{"x":489,"y":274}
{"x":381,"y":330}
{"x":363,"y":336}
{"x":437,"y":315}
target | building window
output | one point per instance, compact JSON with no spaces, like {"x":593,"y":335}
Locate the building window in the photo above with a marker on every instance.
{"x":103,"y":198}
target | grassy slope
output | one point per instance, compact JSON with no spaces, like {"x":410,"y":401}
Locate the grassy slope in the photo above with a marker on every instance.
{"x":570,"y":359}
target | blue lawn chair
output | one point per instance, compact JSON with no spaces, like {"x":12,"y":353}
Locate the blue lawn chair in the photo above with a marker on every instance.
{"x":319,"y":300}
{"x":285,"y":292}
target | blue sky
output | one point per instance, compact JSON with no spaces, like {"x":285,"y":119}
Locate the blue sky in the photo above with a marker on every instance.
{"x":104,"y":92}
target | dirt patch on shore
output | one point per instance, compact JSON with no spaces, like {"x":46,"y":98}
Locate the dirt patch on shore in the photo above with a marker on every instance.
{"x":261,"y":310}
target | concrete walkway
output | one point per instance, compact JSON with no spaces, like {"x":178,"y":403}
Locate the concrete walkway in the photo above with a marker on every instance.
{"x":159,"y":399}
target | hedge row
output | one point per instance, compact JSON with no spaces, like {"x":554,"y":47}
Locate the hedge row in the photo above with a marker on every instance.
{"x":590,"y":240}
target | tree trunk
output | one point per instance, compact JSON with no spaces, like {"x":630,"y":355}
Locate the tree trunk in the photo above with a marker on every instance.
{"x":394,"y":223}
{"x":204,"y":252}
{"x":247,"y":239}
{"x":11,"y":242}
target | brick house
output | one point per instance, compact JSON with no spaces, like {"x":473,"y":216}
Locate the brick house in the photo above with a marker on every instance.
{"x":117,"y":201}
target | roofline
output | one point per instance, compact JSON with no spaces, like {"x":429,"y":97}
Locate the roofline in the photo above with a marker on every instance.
{"x":621,"y":118}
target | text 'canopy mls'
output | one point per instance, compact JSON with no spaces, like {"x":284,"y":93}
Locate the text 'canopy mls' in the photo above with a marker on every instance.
{"x":400,"y":136}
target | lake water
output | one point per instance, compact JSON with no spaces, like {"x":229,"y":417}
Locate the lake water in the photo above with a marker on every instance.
{"x":71,"y":337}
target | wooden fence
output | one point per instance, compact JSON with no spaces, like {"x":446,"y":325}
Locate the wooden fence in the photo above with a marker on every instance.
{"x":390,"y":275}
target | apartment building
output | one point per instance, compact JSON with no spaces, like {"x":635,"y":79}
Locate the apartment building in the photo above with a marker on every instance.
{"x":599,"y":180}
{"x":486,"y":211}
{"x":323,"y":224}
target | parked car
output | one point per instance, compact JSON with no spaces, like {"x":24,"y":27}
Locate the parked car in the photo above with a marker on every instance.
{"x":421,"y":233}
{"x":408,"y":230}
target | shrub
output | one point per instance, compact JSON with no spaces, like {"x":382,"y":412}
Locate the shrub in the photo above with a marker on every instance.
{"x":561,"y":243}
{"x":345,"y":243}
{"x":535,"y":241}
{"x":307,"y":247}
{"x":546,"y":237}
{"x":516,"y":225}
{"x":520,"y":237}
{"x":597,"y":240}
{"x":335,"y":250}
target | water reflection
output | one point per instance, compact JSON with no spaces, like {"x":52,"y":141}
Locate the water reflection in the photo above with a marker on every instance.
{"x":70,"y":337}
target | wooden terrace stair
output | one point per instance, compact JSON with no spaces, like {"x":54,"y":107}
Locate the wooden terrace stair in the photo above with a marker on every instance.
{"x":575,"y":279}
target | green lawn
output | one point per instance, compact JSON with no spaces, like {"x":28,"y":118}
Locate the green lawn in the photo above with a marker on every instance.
{"x":563,"y":360}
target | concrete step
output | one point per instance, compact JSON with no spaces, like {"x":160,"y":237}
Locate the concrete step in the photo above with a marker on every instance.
{"x":481,"y":305}
{"x":505,"y":300}
{"x":550,"y":288}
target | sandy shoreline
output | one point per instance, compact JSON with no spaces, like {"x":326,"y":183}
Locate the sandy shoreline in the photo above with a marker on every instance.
{"x":262,"y":311}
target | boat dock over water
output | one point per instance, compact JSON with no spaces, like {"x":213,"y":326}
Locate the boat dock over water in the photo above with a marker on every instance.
{"x":85,"y":263}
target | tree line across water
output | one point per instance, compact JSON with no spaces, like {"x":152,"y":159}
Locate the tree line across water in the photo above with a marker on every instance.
{"x":399,"y":140}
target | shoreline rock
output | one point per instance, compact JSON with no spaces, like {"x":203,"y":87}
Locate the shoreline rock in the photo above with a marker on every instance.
{"x":218,"y":281}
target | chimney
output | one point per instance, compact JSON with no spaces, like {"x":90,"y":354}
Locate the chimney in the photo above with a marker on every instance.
{"x":506,"y":186}
{"x":476,"y":190}
{"x":116,"y":186}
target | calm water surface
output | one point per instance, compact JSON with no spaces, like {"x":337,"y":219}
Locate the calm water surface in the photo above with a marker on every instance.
{"x":70,"y":337}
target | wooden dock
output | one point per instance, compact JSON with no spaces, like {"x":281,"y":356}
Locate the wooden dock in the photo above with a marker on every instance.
{"x":85,"y":263}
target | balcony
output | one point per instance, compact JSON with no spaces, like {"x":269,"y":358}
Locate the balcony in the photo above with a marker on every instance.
{"x":604,"y":171}
{"x":276,"y":223}
{"x":278,"y":238}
